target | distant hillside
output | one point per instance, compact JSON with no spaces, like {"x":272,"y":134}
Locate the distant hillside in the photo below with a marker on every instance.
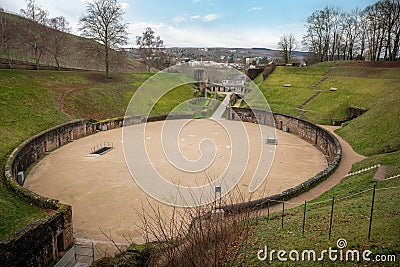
{"x":77,"y":52}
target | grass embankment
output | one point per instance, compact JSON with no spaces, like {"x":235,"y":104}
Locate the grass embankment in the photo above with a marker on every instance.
{"x":374,"y":134}
{"x":31,"y":102}
{"x":26,"y":108}
{"x":286,"y":99}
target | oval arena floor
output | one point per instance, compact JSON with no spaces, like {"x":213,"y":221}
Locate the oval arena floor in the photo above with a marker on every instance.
{"x":105,"y":198}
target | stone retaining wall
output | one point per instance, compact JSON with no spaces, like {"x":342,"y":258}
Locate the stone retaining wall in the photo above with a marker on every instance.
{"x":322,"y":139}
{"x":40,"y":242}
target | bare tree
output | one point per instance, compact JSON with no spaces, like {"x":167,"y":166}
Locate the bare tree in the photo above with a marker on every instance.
{"x":396,"y":31}
{"x":57,"y":45}
{"x":103,"y":23}
{"x":151,"y":49}
{"x":336,"y":33}
{"x":36,"y":32}
{"x":287,"y":45}
{"x":317,"y":39}
{"x":382,"y":24}
{"x":352,"y":32}
{"x":391,"y":14}
{"x":374,"y":32}
{"x":363,"y":34}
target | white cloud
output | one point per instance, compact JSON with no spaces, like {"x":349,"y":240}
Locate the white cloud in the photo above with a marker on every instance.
{"x":256,"y":9}
{"x":195,"y":17}
{"x":179,"y":19}
{"x":210,"y":17}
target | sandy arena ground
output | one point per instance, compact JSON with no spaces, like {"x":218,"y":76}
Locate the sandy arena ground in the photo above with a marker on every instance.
{"x":106,"y":198}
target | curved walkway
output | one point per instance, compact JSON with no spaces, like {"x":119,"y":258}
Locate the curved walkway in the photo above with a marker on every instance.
{"x":349,"y":157}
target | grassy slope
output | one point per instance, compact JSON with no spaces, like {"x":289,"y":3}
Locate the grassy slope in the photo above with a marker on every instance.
{"x":29,"y":104}
{"x":372,"y":134}
{"x":286,"y":99}
{"x":26,"y":108}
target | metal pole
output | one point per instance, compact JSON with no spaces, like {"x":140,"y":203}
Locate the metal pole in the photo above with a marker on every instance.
{"x":215,"y":199}
{"x":330,"y":224}
{"x":372,"y":211}
{"x":92,"y":250}
{"x":304,"y":216}
{"x":268,"y":209}
{"x":283,"y":212}
{"x":220,"y":199}
{"x":74,"y":251}
{"x":215,"y":250}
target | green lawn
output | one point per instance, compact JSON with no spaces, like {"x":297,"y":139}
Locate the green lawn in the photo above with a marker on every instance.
{"x":286,"y":99}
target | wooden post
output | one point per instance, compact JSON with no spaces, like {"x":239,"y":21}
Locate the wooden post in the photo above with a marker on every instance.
{"x":304,"y":216}
{"x":330,"y":224}
{"x":372,"y":211}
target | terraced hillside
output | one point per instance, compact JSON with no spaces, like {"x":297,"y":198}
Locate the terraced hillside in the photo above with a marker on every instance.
{"x":375,"y":89}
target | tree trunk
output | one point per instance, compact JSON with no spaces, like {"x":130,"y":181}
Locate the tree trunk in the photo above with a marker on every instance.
{"x":380,"y":45}
{"x":107,"y":59}
{"x":395,"y":47}
{"x":58,"y":63}
{"x":285,"y":56}
{"x":350,"y":57}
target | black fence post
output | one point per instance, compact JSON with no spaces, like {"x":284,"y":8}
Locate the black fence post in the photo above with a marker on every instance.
{"x":92,"y":251}
{"x":304,"y":216}
{"x":268,"y":209}
{"x":330,"y":223}
{"x":283,"y":212}
{"x":372,"y":211}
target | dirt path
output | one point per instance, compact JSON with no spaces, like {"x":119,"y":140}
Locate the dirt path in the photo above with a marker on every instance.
{"x":317,"y":93}
{"x":62,"y":102}
{"x":349,"y":157}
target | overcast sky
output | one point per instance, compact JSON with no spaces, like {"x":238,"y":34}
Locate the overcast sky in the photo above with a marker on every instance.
{"x":205,"y":23}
